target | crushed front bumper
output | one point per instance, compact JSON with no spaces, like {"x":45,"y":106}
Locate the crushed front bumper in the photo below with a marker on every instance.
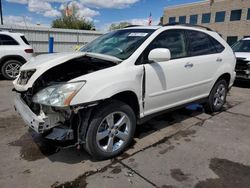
{"x":37,"y":123}
{"x":41,"y":124}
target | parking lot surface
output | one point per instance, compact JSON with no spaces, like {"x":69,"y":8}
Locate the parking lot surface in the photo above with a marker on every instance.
{"x":185,"y":148}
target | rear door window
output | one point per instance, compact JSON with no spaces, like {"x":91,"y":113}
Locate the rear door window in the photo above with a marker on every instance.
{"x":7,"y":40}
{"x":199,"y":43}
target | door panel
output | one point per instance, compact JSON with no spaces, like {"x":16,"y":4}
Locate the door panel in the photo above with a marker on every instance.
{"x":184,"y":78}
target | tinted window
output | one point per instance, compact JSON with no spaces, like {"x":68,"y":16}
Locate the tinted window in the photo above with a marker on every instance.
{"x":200,"y":44}
{"x":218,"y":46}
{"x":193,"y":19}
{"x":242,"y":46}
{"x":171,"y":19}
{"x":206,"y":18}
{"x":231,"y":40}
{"x":174,"y":40}
{"x":235,"y":15}
{"x":7,"y":40}
{"x":220,"y":16}
{"x":182,"y":19}
{"x":248,"y":14}
{"x":25,"y":40}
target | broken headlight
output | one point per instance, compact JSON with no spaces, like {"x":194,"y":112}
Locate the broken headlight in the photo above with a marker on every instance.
{"x":59,"y":95}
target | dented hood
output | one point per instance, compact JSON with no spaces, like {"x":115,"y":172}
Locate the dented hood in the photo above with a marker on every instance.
{"x":43,"y":63}
{"x":48,"y":61}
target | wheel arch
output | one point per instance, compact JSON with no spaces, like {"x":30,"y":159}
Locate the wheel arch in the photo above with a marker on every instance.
{"x":129,"y":98}
{"x":226,"y":77}
{"x":12,"y":57}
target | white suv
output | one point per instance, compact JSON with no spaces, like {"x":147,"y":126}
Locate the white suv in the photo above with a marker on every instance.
{"x":15,"y":50}
{"x":242,"y":52}
{"x":96,"y":97}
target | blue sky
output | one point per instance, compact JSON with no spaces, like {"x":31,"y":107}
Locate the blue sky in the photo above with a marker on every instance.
{"x":101,"y":12}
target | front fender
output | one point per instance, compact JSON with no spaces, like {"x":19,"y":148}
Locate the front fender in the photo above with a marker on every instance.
{"x":104,"y":84}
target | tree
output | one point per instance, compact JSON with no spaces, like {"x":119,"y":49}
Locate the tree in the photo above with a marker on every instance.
{"x":70,"y":20}
{"x":115,"y":26}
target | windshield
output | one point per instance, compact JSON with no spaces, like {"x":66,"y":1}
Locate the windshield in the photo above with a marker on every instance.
{"x":242,"y":46}
{"x":121,"y":44}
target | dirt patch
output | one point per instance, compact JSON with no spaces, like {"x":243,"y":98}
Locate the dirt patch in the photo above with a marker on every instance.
{"x":78,"y":182}
{"x":168,"y":186}
{"x":178,"y":175}
{"x":116,"y":170}
{"x":184,"y":134}
{"x":131,"y":160}
{"x":231,"y":175}
{"x":28,"y":171}
{"x":34,"y":147}
{"x":166,"y":150}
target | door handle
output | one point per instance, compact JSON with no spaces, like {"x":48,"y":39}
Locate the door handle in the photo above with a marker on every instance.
{"x":189,"y":65}
{"x":219,"y":59}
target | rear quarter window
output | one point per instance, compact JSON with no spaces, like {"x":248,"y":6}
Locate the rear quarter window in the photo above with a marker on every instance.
{"x":7,"y":40}
{"x":25,"y":40}
{"x":200,"y":43}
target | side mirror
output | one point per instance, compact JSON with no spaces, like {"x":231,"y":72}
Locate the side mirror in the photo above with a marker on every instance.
{"x":159,"y":55}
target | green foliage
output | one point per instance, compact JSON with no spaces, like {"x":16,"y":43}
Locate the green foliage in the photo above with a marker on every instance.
{"x":120,"y":25}
{"x":72,"y":22}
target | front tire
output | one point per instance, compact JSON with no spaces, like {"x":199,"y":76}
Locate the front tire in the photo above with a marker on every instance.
{"x":111,"y":130}
{"x":10,"y":69}
{"x":217,"y":97}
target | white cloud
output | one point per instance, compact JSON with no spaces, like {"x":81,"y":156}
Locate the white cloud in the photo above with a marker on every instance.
{"x":38,"y":6}
{"x":134,"y":21}
{"x":109,"y":3}
{"x":52,"y":13}
{"x":18,"y":1}
{"x":20,"y":20}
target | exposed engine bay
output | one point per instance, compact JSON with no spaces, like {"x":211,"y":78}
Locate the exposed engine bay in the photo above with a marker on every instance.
{"x":60,"y":123}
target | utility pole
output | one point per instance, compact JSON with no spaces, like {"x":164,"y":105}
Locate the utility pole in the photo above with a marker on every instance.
{"x":1,"y":12}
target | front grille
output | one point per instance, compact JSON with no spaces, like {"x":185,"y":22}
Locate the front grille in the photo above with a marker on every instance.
{"x":241,"y":64}
{"x":25,"y":77}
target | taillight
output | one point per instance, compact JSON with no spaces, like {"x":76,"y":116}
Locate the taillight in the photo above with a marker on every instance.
{"x":29,"y":51}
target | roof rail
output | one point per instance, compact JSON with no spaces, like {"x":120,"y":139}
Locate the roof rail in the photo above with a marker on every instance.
{"x":132,"y":26}
{"x":188,"y":25}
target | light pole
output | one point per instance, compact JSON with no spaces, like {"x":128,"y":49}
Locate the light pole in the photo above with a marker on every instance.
{"x":1,"y":12}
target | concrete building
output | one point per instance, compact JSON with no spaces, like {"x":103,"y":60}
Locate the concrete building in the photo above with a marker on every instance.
{"x":231,"y":18}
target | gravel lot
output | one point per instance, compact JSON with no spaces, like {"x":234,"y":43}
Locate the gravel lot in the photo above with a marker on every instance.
{"x":186,"y":148}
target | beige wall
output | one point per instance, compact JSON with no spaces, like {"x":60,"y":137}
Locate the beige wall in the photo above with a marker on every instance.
{"x":227,"y":28}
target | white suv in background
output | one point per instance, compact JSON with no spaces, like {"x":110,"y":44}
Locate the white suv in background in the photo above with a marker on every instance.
{"x":242,"y":53}
{"x":15,"y":50}
{"x":96,"y":97}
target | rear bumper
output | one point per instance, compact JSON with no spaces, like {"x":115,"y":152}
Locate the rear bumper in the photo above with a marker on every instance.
{"x":32,"y":120}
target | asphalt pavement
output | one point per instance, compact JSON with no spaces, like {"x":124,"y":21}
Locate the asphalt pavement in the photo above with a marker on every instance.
{"x":185,"y":148}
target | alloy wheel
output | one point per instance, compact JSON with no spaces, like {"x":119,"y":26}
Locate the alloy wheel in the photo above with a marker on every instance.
{"x":113,"y":132}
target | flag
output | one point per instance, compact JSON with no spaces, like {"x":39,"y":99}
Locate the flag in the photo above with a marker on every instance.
{"x":150,"y":19}
{"x":68,"y":11}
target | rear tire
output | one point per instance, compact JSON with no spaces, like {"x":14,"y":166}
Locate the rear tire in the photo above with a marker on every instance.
{"x":217,"y":97}
{"x":10,"y":69}
{"x":111,"y":130}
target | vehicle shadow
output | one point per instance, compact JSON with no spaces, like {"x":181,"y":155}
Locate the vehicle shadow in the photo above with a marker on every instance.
{"x":35,"y":147}
{"x":242,"y":83}
{"x":72,"y":155}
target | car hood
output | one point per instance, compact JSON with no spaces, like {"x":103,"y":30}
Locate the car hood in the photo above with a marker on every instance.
{"x":48,"y":61}
{"x":244,"y":55}
{"x":43,"y":63}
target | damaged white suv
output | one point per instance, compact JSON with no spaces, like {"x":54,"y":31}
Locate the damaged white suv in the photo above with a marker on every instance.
{"x":97,"y":96}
